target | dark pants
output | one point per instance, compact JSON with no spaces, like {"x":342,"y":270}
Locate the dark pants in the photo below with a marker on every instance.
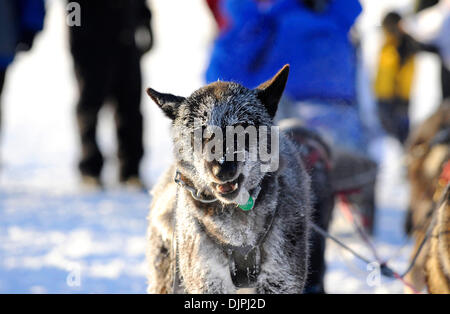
{"x":107,"y":66}
{"x":2,"y":81}
{"x":424,"y":4}
{"x":394,"y":117}
{"x":445,"y":79}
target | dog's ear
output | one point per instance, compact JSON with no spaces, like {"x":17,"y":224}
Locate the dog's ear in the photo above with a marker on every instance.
{"x":167,"y":102}
{"x":270,"y":92}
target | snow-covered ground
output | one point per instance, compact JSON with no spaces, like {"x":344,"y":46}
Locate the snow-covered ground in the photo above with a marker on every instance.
{"x":57,"y":238}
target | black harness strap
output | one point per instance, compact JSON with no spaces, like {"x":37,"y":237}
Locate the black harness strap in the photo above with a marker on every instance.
{"x":244,"y":263}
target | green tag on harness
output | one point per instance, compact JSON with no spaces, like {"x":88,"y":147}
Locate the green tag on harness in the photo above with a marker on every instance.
{"x":249,"y":205}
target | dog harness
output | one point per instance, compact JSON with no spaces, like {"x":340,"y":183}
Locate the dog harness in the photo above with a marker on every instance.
{"x":244,"y":261}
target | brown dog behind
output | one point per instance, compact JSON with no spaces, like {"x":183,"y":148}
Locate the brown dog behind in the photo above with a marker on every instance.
{"x":437,"y":267}
{"x":428,"y":154}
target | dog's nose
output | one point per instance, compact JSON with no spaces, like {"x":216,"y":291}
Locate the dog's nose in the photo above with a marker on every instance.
{"x":224,"y":171}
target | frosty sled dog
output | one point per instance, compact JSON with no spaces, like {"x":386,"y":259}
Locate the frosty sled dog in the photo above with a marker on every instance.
{"x":226,"y":223}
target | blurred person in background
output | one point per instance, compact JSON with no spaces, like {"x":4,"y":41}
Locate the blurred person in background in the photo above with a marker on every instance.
{"x":394,"y":77}
{"x":404,"y":37}
{"x":431,"y":27}
{"x":20,"y":21}
{"x":260,"y":36}
{"x":106,"y":50}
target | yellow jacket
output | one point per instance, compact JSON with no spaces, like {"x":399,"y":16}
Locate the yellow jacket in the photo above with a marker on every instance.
{"x":393,"y":80}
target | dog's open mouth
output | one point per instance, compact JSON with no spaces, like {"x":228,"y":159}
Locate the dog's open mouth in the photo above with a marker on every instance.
{"x":228,"y":188}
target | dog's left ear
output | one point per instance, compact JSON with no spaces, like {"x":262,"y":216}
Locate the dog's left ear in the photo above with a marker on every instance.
{"x":270,"y":92}
{"x":167,"y":102}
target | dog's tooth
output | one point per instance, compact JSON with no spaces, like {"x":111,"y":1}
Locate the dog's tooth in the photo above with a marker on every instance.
{"x":243,"y":196}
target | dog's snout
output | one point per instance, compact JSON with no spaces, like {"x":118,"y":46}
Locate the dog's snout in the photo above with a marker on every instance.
{"x":224,"y":171}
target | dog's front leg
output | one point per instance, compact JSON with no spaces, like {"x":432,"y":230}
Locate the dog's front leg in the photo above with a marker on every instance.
{"x":160,"y":263}
{"x":276,"y":278}
{"x":282,"y":273}
{"x":204,"y":266}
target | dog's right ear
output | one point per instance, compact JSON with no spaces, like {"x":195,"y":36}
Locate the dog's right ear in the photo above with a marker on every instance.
{"x":167,"y":102}
{"x":270,"y":92}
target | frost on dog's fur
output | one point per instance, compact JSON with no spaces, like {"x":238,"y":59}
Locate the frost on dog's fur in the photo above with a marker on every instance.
{"x":202,"y":264}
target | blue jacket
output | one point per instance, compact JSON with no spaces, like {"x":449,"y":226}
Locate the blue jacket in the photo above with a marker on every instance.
{"x":258,"y":42}
{"x":18,"y":17}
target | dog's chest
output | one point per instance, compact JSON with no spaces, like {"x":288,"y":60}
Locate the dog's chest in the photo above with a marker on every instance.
{"x":227,"y":243}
